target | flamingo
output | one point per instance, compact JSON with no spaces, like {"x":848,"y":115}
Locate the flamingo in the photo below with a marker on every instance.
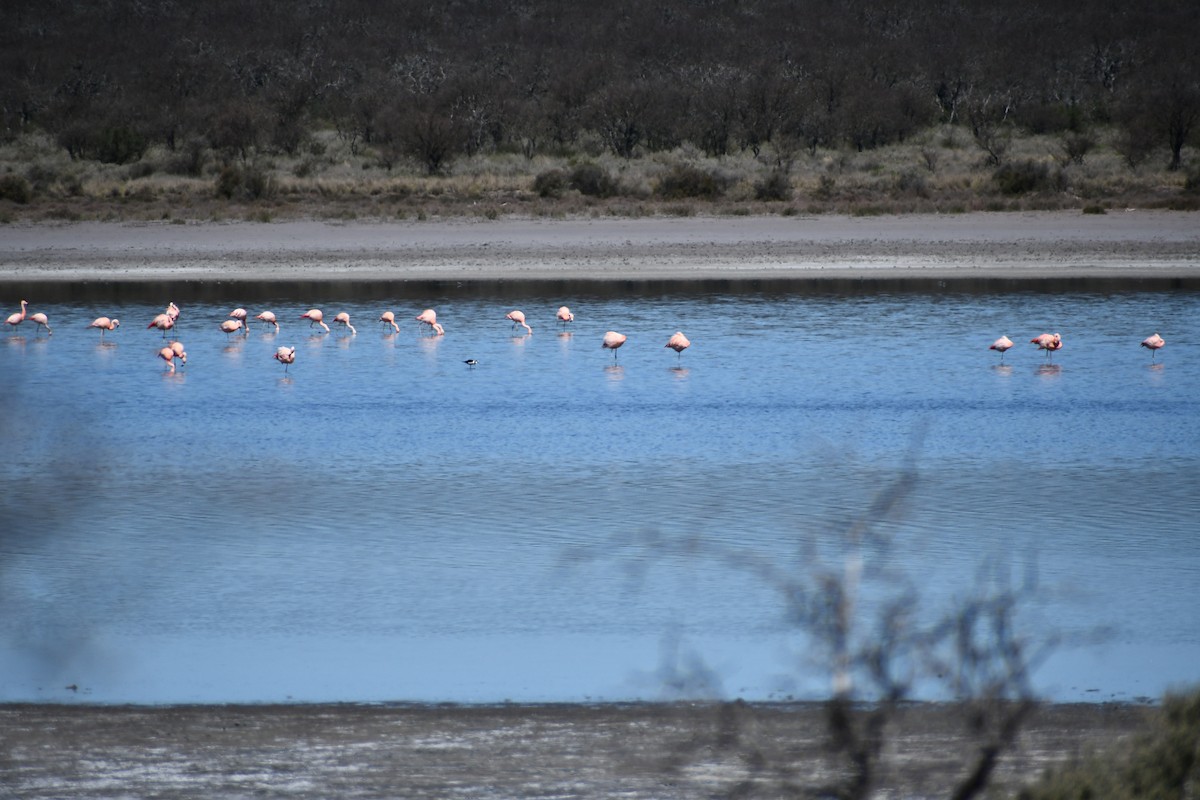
{"x":285,"y":356}
{"x":564,"y":315}
{"x":17,"y":319}
{"x":42,"y":321}
{"x":105,"y":324}
{"x":678,"y":342}
{"x":231,"y":325}
{"x":315,"y":317}
{"x":612,"y":341}
{"x":177,"y":349}
{"x":1153,"y":343}
{"x":438,"y":329}
{"x":240,"y":315}
{"x":172,"y":311}
{"x":1001,"y":346}
{"x":269,"y":318}
{"x":344,"y":319}
{"x":164,"y":322}
{"x":1048,"y":342}
{"x":518,"y":318}
{"x":388,"y":318}
{"x":428,"y":316}
{"x":168,"y":355}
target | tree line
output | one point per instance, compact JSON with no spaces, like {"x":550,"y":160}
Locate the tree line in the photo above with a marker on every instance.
{"x":431,"y":81}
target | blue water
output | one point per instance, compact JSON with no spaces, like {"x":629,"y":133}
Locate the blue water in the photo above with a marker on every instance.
{"x":383,"y":522}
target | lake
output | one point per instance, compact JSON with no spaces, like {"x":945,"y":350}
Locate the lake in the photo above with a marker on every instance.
{"x":383,"y":522}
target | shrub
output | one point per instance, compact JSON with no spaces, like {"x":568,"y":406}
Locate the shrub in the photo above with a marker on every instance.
{"x":1191,"y":184}
{"x":776,"y":186}
{"x":16,"y":189}
{"x":684,"y":181}
{"x":251,"y":183}
{"x":593,"y":180}
{"x":120,"y":145}
{"x":191,"y":158}
{"x":551,"y":183}
{"x":1024,"y":177}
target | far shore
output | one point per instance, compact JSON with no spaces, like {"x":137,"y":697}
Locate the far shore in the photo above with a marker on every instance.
{"x":1154,"y":246}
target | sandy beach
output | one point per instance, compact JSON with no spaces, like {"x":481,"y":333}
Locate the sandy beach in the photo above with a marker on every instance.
{"x":1137,"y":245}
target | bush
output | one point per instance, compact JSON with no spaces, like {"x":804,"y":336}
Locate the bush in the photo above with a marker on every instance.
{"x":593,"y":180}
{"x":191,"y":158}
{"x":684,"y":181}
{"x":16,"y":189}
{"x":551,"y":183}
{"x":776,"y":186}
{"x":120,"y":145}
{"x":1024,"y":177}
{"x":250,"y":183}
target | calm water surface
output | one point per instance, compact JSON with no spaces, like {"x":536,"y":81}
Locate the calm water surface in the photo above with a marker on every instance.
{"x":383,"y":522}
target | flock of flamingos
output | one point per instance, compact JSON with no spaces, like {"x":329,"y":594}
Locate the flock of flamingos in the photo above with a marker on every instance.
{"x":238,"y":320}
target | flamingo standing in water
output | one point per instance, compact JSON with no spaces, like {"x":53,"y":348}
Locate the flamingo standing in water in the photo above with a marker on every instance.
{"x":172,"y":310}
{"x":678,"y":342}
{"x":1153,"y":343}
{"x":240,"y":315}
{"x":285,"y":356}
{"x":18,"y":318}
{"x":177,"y":349}
{"x":1001,"y":346}
{"x":269,"y":318}
{"x":42,"y":321}
{"x":1048,"y":342}
{"x":613,"y":341}
{"x":230,"y":326}
{"x":315,"y":317}
{"x":428,"y":317}
{"x":388,"y":318}
{"x":438,"y":329}
{"x":169,"y":354}
{"x":164,"y":322}
{"x":518,"y":318}
{"x":344,"y":319}
{"x":105,"y":324}
{"x":564,"y":315}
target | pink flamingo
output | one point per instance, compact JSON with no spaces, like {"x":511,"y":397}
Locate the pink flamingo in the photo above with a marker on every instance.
{"x":105,"y":324}
{"x":388,"y":318}
{"x":231,"y":325}
{"x":168,"y":355}
{"x":518,"y":318}
{"x":428,"y":316}
{"x":1153,"y":343}
{"x":177,"y":349}
{"x":613,"y":341}
{"x":164,"y":322}
{"x":285,"y":356}
{"x":42,"y":321}
{"x":1001,"y":346}
{"x":172,"y":311}
{"x":269,"y":318}
{"x":564,"y":315}
{"x":240,"y":315}
{"x":315,"y":317}
{"x":678,"y":342}
{"x":344,"y":319}
{"x":438,"y":329}
{"x":1048,"y":342}
{"x":17,"y":319}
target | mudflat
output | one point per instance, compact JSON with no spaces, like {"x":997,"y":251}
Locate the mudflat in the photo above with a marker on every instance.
{"x":1132,"y":244}
{"x":668,"y":750}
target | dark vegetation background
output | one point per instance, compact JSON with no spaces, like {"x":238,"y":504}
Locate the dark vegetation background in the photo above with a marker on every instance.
{"x":753,"y":99}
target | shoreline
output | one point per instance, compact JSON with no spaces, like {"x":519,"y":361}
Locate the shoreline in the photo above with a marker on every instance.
{"x":1157,"y":248}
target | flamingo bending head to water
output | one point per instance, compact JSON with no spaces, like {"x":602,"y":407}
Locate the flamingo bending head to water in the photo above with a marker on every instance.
{"x":18,"y":318}
{"x":613,"y":341}
{"x":231,"y":325}
{"x":269,"y":318}
{"x":343,"y":318}
{"x":42,"y":321}
{"x":388,"y":318}
{"x":177,"y":349}
{"x":564,"y":315}
{"x":518,"y":318}
{"x":428,"y":317}
{"x":241,"y":315}
{"x":315,"y":317}
{"x":105,"y":324}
